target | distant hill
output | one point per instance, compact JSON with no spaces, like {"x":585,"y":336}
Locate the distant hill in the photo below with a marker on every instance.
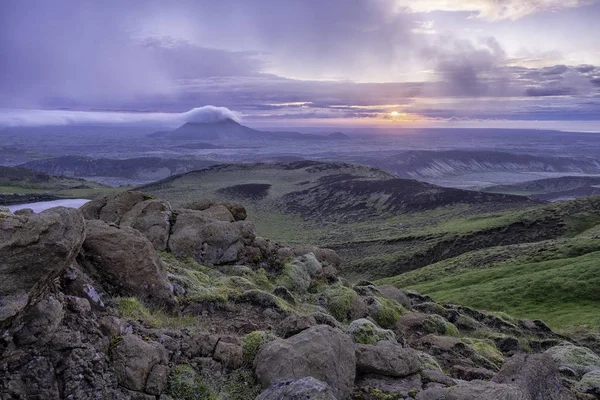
{"x":142,"y":168}
{"x":423,"y":164}
{"x":21,"y":185}
{"x":553,"y":189}
{"x":320,"y":190}
{"x":229,"y":130}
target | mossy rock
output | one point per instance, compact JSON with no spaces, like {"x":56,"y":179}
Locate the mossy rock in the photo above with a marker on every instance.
{"x":428,"y":362}
{"x":386,"y":312}
{"x":185,"y":383}
{"x":487,"y":349}
{"x":589,"y":383}
{"x":439,"y":325}
{"x":580,"y":359}
{"x":253,"y":342}
{"x":339,"y":301}
{"x":366,"y":332}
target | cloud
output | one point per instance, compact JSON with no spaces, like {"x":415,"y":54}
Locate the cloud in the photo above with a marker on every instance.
{"x":492,"y":10}
{"x":465,"y":68}
{"x":207,"y":114}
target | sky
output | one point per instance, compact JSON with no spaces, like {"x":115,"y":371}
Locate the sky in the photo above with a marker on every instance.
{"x":292,"y":63}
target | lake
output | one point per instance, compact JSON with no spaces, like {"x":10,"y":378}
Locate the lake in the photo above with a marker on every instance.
{"x":44,"y":205}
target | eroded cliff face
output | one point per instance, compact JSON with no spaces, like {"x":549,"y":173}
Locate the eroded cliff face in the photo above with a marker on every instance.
{"x":129,"y":299}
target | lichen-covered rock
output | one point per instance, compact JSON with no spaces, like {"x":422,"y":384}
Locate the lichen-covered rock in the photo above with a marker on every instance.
{"x":134,"y":359}
{"x":35,"y":249}
{"x":386,"y":358}
{"x":366,"y":332}
{"x":207,"y":240}
{"x":307,"y":388}
{"x":428,"y":362}
{"x":125,"y":261}
{"x":439,"y":325}
{"x":297,"y":275}
{"x":320,"y":352}
{"x":580,"y":359}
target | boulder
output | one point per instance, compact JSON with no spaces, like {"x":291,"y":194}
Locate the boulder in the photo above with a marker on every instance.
{"x":134,"y":359}
{"x":112,"y":208}
{"x":298,"y":274}
{"x":207,"y":240}
{"x":301,"y":389}
{"x":237,"y":211}
{"x":393,"y":293}
{"x":580,"y":359}
{"x":152,"y":218}
{"x":366,"y":332}
{"x":125,"y":261}
{"x":35,"y":249}
{"x":321,"y":352}
{"x":386,"y":358}
{"x":536,"y":374}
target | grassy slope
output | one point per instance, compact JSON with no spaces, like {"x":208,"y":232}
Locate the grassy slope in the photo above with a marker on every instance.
{"x":554,"y":280}
{"x":532,"y":261}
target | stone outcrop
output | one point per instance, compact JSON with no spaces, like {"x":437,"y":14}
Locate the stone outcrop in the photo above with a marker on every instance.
{"x":321,"y":352}
{"x":207,"y":240}
{"x":35,"y":249}
{"x":125,"y":262}
{"x":386,"y":358}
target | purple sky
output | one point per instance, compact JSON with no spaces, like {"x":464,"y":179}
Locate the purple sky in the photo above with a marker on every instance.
{"x":517,"y":63}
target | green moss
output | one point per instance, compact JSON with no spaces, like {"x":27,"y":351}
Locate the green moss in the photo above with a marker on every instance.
{"x":253,"y":342}
{"x":377,"y":394}
{"x":365,"y":332}
{"x":185,"y":384}
{"x":388,"y":313}
{"x":339,"y":301}
{"x":132,"y":308}
{"x":440,"y":326}
{"x":428,"y":362}
{"x":486,"y":348}
{"x":260,"y":278}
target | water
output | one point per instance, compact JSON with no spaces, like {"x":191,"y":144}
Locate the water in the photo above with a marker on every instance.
{"x":44,"y":205}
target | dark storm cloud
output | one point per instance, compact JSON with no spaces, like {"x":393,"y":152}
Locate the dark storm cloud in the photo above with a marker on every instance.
{"x":260,"y":57}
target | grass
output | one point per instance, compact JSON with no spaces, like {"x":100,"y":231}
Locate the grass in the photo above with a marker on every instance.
{"x":562,"y":292}
{"x":132,"y":308}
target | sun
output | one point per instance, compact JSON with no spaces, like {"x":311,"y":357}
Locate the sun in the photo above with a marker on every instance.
{"x":394,"y":113}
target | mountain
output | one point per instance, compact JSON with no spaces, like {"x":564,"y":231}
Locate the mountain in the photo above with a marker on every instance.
{"x":229,"y":130}
{"x":553,"y":189}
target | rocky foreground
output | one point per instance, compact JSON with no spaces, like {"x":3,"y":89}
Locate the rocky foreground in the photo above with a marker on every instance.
{"x":129,"y":299}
